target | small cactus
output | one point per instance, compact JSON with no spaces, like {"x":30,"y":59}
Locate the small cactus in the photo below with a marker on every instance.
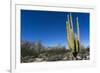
{"x":73,"y":42}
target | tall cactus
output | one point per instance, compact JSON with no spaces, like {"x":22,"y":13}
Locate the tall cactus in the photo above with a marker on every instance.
{"x":78,"y":34}
{"x":70,"y":34}
{"x":73,"y":42}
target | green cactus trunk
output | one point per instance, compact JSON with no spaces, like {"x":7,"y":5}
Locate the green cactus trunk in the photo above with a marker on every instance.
{"x":78,"y":33}
{"x":70,"y":35}
{"x":73,"y":42}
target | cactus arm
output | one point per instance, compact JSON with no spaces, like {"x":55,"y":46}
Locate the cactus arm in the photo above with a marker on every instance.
{"x":70,"y":35}
{"x":78,"y":33}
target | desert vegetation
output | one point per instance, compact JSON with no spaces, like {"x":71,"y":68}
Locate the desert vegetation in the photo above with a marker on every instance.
{"x":36,"y":52}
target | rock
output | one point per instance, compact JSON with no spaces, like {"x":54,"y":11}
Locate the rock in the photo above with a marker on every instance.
{"x":79,"y":58}
{"x":55,"y":58}
{"x":88,"y":57}
{"x":31,"y":60}
{"x":65,"y":58}
{"x":39,"y":59}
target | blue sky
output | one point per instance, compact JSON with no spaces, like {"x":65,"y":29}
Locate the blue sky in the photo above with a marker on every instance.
{"x":49,"y":27}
